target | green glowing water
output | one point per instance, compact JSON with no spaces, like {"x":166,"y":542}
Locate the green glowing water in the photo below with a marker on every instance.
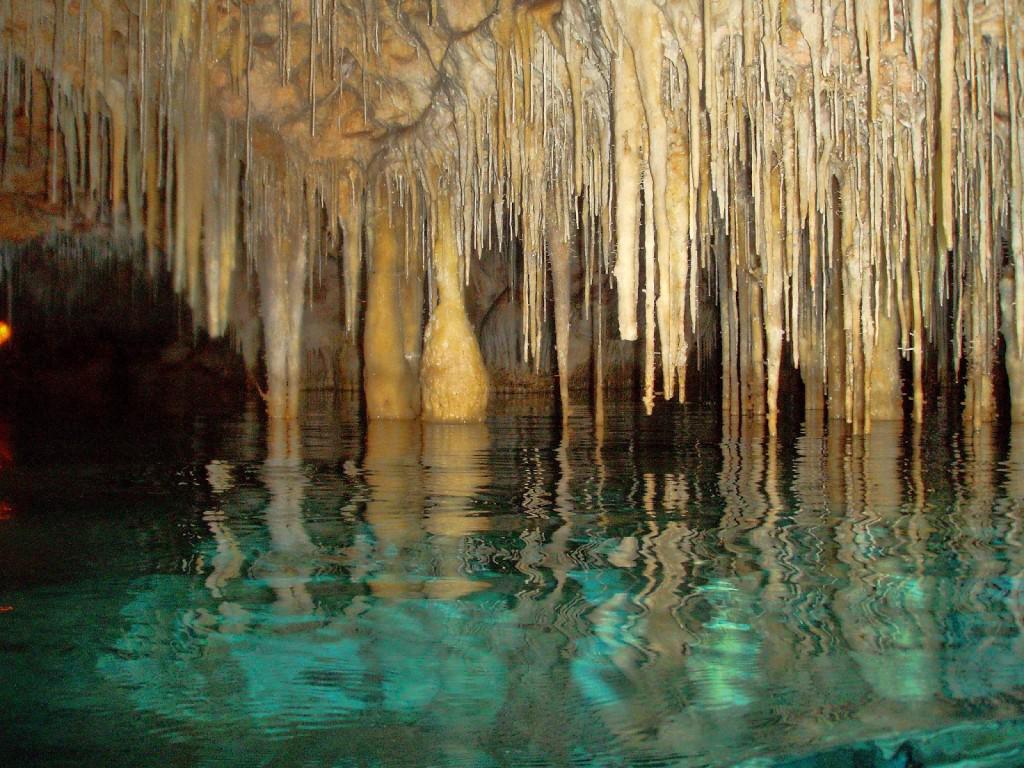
{"x":196,"y":591}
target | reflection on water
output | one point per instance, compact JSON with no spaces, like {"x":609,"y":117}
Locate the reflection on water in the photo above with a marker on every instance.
{"x":512,"y":594}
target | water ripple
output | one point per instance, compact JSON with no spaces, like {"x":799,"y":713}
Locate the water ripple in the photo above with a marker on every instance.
{"x":656,"y":592}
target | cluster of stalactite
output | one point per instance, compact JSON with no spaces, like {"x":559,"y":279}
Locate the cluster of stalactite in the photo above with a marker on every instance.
{"x":840,"y":179}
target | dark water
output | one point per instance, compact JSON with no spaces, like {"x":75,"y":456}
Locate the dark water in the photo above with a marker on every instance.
{"x":195,"y":591}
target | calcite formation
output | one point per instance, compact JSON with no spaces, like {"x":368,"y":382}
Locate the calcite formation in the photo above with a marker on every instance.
{"x":840,"y":181}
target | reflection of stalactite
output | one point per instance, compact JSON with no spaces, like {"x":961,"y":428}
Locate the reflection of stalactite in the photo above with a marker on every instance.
{"x":280,"y":238}
{"x":811,"y":504}
{"x":436,"y":467}
{"x":454,"y":471}
{"x":884,"y":611}
{"x":227,"y":563}
{"x":686,"y":609}
{"x":975,"y":513}
{"x":291,"y":547}
{"x":395,"y":482}
{"x":1014,"y":490}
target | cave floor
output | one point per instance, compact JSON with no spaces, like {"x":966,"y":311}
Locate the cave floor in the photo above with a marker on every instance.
{"x":210,"y":590}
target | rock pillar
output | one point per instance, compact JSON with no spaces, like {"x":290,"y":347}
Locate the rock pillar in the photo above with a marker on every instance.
{"x":454,"y":382}
{"x":390,"y":374}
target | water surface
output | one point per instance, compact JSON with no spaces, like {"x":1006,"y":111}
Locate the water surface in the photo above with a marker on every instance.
{"x":208,"y":590}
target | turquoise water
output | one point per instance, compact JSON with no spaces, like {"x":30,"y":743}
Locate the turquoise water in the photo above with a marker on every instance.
{"x":199,"y":590}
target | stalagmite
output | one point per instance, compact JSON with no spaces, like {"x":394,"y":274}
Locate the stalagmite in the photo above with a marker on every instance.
{"x":454,"y":380}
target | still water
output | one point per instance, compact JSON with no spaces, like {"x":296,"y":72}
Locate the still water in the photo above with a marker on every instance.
{"x":205,"y":590}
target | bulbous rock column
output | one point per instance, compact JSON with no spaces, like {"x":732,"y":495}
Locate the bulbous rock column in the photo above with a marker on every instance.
{"x":454,"y":381}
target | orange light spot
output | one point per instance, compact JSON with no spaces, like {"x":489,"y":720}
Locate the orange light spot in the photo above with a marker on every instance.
{"x":6,"y":511}
{"x":5,"y":333}
{"x":6,"y":608}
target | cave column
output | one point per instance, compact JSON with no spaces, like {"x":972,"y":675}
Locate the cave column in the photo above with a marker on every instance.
{"x":559,"y":252}
{"x":454,"y":382}
{"x":812,"y":370}
{"x":1014,"y":358}
{"x":885,"y":399}
{"x":390,"y":375}
{"x":835,"y":323}
{"x":282,"y":279}
{"x":979,"y":396}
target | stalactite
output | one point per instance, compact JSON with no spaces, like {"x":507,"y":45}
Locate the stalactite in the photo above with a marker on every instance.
{"x":350,"y":201}
{"x":629,"y":160}
{"x":193,"y":170}
{"x":153,"y":203}
{"x":220,"y":221}
{"x":944,"y":171}
{"x":641,"y":25}
{"x":134,"y":186}
{"x":181,"y":207}
{"x":648,"y":294}
{"x":7,"y":75}
{"x":117,"y":107}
